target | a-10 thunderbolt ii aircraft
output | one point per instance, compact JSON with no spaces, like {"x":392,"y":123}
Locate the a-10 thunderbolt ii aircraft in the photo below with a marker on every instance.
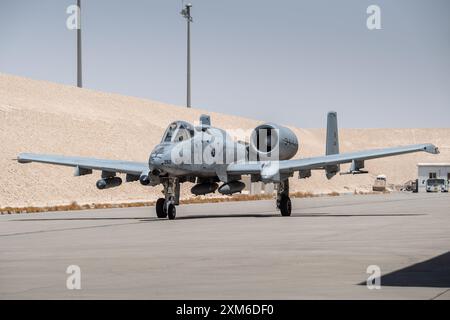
{"x":207,"y":156}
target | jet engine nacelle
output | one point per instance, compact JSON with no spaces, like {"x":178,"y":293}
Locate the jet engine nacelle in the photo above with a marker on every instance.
{"x":108,"y":183}
{"x":270,"y":141}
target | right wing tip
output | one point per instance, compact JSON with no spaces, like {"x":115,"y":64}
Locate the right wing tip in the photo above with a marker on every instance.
{"x":21,"y":158}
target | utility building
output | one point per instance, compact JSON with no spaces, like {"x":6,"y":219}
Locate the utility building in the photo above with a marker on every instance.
{"x":432,"y":171}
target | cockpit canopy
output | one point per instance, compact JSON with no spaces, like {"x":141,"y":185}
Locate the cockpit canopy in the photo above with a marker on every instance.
{"x":178,"y":131}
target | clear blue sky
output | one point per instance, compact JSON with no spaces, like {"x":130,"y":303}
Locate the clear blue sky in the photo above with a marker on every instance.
{"x":283,"y":61}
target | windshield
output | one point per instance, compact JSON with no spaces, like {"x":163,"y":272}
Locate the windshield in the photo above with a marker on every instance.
{"x":182,"y":134}
{"x":177,"y":131}
{"x":169,"y":132}
{"x":435,"y":182}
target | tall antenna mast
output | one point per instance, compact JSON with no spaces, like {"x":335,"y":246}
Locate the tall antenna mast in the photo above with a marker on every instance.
{"x":79,"y":67}
{"x":186,"y":13}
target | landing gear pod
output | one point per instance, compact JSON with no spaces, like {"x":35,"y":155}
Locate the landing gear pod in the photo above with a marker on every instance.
{"x":204,"y":188}
{"x":231,"y":187}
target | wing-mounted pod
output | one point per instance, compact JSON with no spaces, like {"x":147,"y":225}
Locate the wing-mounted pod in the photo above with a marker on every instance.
{"x":108,"y":180}
{"x":106,"y":183}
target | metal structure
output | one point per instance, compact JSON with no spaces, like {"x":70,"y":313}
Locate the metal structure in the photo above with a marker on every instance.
{"x":79,"y":66}
{"x":186,"y":13}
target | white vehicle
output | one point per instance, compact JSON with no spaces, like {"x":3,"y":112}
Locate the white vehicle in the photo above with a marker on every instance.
{"x":436,"y":185}
{"x":380,"y":183}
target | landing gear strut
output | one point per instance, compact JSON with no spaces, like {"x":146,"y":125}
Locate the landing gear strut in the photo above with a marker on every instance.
{"x":165,"y":207}
{"x":283,"y":200}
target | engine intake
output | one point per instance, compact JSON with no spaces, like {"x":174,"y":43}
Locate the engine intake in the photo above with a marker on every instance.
{"x":270,"y":141}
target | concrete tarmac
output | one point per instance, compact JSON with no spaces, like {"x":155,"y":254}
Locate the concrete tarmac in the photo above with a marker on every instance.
{"x":240,"y":250}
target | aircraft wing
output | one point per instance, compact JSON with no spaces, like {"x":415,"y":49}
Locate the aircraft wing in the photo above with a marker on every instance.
{"x":130,"y":167}
{"x":269,"y":169}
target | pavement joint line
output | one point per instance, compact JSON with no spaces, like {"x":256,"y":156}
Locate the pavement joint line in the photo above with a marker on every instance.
{"x":366,"y":202}
{"x":440,"y":294}
{"x":65,"y":229}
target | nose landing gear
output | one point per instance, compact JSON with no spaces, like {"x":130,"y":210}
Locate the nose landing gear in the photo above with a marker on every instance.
{"x":171,"y":211}
{"x":165,"y":207}
{"x":283,"y":200}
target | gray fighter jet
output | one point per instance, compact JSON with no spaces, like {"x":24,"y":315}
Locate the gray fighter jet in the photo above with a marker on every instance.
{"x":207,"y":156}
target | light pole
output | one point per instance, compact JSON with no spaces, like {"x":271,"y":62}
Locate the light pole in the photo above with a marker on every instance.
{"x":186,"y":12}
{"x":79,"y":68}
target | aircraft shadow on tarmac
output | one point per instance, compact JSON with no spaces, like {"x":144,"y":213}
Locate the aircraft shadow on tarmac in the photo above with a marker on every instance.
{"x":433,"y":273}
{"x":324,"y":214}
{"x":264,"y":214}
{"x":83,"y":219}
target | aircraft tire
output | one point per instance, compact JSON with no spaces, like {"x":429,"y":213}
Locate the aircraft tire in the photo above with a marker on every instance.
{"x":160,"y":213}
{"x":171,"y":211}
{"x":285,"y":206}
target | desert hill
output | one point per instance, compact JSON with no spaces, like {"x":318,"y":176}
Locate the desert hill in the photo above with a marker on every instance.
{"x":45,"y":117}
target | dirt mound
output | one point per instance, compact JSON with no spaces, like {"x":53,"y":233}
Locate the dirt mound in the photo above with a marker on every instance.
{"x":44,"y":117}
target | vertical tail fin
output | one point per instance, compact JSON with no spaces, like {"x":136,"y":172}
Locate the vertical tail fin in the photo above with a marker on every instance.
{"x":332,"y":142}
{"x":332,"y":146}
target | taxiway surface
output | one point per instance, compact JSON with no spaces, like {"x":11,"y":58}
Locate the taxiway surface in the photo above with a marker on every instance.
{"x":242,"y":250}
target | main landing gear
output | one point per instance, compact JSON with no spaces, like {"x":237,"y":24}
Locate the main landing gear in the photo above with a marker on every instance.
{"x":283,"y":200}
{"x":165,"y":207}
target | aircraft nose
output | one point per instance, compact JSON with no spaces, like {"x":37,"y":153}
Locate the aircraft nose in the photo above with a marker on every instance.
{"x":156,"y":161}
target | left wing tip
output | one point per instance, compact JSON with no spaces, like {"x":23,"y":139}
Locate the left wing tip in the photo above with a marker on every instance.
{"x":431,"y":148}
